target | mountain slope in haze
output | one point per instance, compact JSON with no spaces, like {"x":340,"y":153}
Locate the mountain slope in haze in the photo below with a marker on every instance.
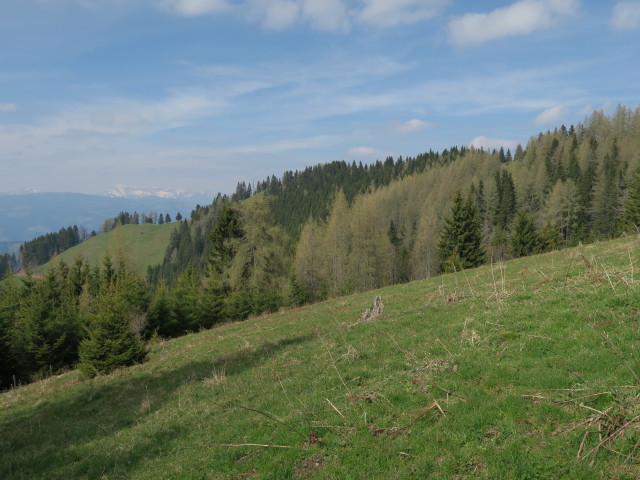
{"x":144,"y":245}
{"x":518,"y":369}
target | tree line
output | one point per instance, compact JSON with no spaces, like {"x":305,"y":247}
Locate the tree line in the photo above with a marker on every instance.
{"x":43,"y":248}
{"x":75,"y":315}
{"x":126,"y":218}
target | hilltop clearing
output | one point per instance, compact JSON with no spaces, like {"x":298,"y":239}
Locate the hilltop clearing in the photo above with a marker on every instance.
{"x":143,"y":245}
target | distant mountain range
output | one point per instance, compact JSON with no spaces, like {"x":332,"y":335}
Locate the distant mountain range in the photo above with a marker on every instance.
{"x":26,"y":216}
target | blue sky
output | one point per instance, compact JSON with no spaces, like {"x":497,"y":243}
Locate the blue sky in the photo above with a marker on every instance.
{"x":197,"y":95}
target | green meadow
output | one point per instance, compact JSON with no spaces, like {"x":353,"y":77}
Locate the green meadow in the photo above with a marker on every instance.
{"x":144,"y":245}
{"x":519,"y":370}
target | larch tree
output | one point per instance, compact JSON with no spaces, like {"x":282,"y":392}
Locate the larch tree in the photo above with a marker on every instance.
{"x":337,"y":245}
{"x":308,"y":262}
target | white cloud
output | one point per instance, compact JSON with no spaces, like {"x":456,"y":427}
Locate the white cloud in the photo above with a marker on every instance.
{"x":325,"y":15}
{"x":390,"y":13}
{"x":626,"y":16}
{"x":489,"y":143}
{"x":520,"y":18}
{"x":197,"y":7}
{"x":329,"y":15}
{"x":275,"y":15}
{"x":552,"y":115}
{"x":8,"y":107}
{"x":410,"y":126}
{"x":363,"y":151}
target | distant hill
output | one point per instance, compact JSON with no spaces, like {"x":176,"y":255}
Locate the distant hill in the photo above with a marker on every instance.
{"x":145,"y":245}
{"x":24,"y":217}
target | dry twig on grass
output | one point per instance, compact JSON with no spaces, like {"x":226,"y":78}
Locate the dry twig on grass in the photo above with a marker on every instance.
{"x":269,"y":416}
{"x":263,"y":445}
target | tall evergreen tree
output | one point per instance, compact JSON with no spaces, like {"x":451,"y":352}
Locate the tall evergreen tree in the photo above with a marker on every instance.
{"x":505,"y":202}
{"x":111,"y":341}
{"x":607,"y":201}
{"x":47,"y":327}
{"x":524,"y":239}
{"x":461,"y":236}
{"x":631,"y":220}
{"x":9,"y":302}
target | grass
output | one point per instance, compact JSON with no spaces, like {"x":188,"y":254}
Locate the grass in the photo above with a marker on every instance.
{"x":519,"y":370}
{"x":145,"y":245}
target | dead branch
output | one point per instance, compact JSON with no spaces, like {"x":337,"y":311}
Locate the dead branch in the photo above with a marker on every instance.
{"x":264,"y":445}
{"x":409,"y":355}
{"x":335,"y":408}
{"x":270,"y":417}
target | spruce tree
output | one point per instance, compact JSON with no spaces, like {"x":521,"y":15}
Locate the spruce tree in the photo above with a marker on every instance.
{"x":607,"y":201}
{"x":9,"y":302}
{"x":524,"y":239}
{"x":161,"y":319}
{"x":46,"y":330}
{"x":111,"y":341}
{"x":631,"y":220}
{"x":461,"y":237}
{"x":550,"y":237}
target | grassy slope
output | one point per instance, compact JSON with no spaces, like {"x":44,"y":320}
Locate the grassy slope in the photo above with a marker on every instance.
{"x":514,"y":354}
{"x":145,"y":245}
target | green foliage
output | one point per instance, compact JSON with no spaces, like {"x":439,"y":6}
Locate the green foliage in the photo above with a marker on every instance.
{"x":225,"y":237}
{"x":47,"y":326}
{"x":8,"y":265}
{"x":461,"y":238}
{"x":43,"y":248}
{"x":111,"y":341}
{"x":524,"y":239}
{"x":607,"y":202}
{"x":550,"y":237}
{"x":505,"y":203}
{"x":161,"y":318}
{"x":631,"y":220}
{"x":9,"y":303}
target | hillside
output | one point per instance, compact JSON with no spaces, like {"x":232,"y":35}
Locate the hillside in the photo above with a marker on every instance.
{"x":145,"y":245}
{"x":523,"y":369}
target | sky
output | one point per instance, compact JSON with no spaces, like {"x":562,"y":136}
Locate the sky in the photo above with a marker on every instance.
{"x":197,"y":95}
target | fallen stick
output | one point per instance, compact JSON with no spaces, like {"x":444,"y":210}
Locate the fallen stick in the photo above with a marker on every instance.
{"x":270,"y":417}
{"x":264,"y":445}
{"x":395,"y":431}
{"x":335,"y":408}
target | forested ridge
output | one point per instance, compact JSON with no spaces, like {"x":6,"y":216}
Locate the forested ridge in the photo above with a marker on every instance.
{"x":340,"y":228}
